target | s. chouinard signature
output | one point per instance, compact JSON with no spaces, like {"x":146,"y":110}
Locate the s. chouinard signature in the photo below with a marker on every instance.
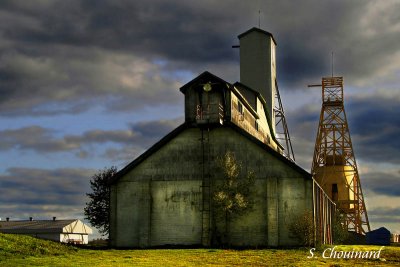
{"x":334,"y":253}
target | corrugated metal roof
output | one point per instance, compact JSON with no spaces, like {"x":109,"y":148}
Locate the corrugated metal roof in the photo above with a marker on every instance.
{"x":40,"y":226}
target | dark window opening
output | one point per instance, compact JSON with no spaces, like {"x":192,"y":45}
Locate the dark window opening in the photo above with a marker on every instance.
{"x":334,"y":192}
{"x":240,"y":108}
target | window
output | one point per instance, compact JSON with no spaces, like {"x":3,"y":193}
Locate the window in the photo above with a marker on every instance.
{"x":334,"y":192}
{"x":240,"y":108}
{"x":256,"y":125}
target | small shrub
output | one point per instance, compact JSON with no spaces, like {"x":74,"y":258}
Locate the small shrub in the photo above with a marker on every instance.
{"x":302,"y":228}
{"x":339,"y":229}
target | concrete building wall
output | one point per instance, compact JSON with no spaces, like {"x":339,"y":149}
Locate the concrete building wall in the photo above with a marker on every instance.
{"x":258,"y":67}
{"x":130,"y":213}
{"x":133,"y":199}
{"x":159,"y":201}
{"x":254,"y":224}
{"x":280,"y":193}
{"x":176,"y":212}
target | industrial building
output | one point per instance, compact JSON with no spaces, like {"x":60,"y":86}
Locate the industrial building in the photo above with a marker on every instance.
{"x":65,"y":231}
{"x":165,"y":196}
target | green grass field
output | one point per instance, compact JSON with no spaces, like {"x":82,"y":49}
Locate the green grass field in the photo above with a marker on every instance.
{"x":26,"y":251}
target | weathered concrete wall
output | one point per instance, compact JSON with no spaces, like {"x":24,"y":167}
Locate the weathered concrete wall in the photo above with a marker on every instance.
{"x":130,"y":214}
{"x":160,"y":202}
{"x":252,"y":228}
{"x":176,"y":212}
{"x":137,"y":205}
{"x":281,"y":191}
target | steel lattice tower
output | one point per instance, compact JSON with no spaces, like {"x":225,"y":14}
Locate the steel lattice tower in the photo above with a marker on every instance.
{"x":334,"y":165}
{"x":281,"y":126}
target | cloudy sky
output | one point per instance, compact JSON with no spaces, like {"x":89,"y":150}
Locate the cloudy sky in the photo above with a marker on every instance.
{"x":93,"y":83}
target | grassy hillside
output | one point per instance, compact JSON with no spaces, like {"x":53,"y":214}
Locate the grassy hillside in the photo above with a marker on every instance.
{"x":20,"y":246}
{"x":26,"y":251}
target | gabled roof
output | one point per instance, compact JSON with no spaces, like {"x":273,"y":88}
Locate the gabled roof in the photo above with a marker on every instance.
{"x":206,"y":77}
{"x":254,"y":29}
{"x":269,"y":149}
{"x":203,"y":78}
{"x":184,"y":126}
{"x":44,"y":226}
{"x":242,"y":86}
{"x":148,"y":152}
{"x":244,"y":100}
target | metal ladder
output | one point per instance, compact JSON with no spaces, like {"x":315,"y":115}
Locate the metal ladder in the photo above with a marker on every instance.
{"x":206,"y":189}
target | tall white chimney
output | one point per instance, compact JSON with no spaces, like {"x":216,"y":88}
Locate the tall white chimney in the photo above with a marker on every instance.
{"x":258,"y":65}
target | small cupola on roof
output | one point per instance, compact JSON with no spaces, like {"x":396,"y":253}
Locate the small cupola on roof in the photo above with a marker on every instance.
{"x":258,"y":65}
{"x":205,"y":101}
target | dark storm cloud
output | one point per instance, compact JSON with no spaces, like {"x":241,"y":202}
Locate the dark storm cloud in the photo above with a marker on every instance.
{"x":42,"y":140}
{"x":35,"y":138}
{"x":74,"y":54}
{"x":41,"y":187}
{"x":382,"y":183}
{"x":375,"y":125}
{"x":385,"y":211}
{"x":40,"y":212}
{"x":139,"y":137}
{"x":363,"y":43}
{"x":384,"y":215}
{"x":174,"y":29}
{"x":52,"y":61}
{"x":374,"y":114}
{"x":70,"y":82}
{"x":100,"y":136}
{"x":26,"y":192}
